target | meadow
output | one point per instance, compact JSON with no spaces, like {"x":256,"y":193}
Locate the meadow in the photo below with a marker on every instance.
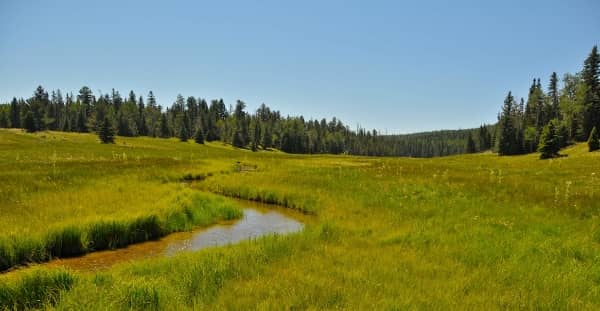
{"x":462,"y":232}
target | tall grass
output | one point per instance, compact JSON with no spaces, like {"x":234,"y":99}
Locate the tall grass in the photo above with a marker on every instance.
{"x":198,"y":277}
{"x":462,"y":232}
{"x":35,"y":289}
{"x":303,"y":204}
{"x":189,"y":210}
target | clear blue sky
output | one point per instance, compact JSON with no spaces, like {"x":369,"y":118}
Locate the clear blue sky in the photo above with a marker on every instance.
{"x":397,"y":66}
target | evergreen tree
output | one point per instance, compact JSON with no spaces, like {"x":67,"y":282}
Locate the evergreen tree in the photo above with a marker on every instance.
{"x":131,"y":98}
{"x":183,"y":134}
{"x":29,"y":122}
{"x":507,"y":142}
{"x":81,"y":121}
{"x":106,"y":132}
{"x":116,"y":100}
{"x":240,"y":131}
{"x":164,"y":126}
{"x":4,"y":120}
{"x":590,"y":75}
{"x":594,"y":140}
{"x":554,"y":109}
{"x":141,"y":118}
{"x":571,"y":105}
{"x":255,"y":134}
{"x":151,"y":100}
{"x":199,"y":135}
{"x":563,"y":134}
{"x":37,"y":105}
{"x":15,"y":114}
{"x":183,"y":126}
{"x":152,"y":116}
{"x":485,"y":138}
{"x":85,"y":95}
{"x":237,"y":140}
{"x":470,"y":144}
{"x":267,"y":137}
{"x":549,"y":141}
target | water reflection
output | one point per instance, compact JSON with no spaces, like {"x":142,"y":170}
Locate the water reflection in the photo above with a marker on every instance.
{"x":256,"y":222}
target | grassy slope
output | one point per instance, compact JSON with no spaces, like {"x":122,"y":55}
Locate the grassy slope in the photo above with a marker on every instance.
{"x":475,"y":231}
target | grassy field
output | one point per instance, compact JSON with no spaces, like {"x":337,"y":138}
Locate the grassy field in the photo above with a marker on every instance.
{"x":463,"y":232}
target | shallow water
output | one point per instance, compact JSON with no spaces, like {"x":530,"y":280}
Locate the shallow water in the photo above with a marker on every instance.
{"x":258,"y":220}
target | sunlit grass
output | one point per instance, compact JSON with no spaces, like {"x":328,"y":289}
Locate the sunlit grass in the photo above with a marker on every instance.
{"x":462,"y":232}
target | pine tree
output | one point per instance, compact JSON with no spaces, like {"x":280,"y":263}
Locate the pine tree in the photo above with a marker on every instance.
{"x":132,"y":97}
{"x":106,"y":132}
{"x":267,"y":137}
{"x":183,"y":134}
{"x":594,"y":140}
{"x":81,"y":120}
{"x":183,"y":127}
{"x":255,"y":134}
{"x":554,"y":109}
{"x":85,"y":96}
{"x":484,"y":138}
{"x":29,"y":122}
{"x":240,"y":132}
{"x":199,"y":136}
{"x":237,"y":140}
{"x":141,"y":118}
{"x":470,"y":144}
{"x":590,"y":75}
{"x":563,"y":134}
{"x":549,"y":141}
{"x":507,"y":142}
{"x":164,"y":126}
{"x":15,"y":115}
{"x":4,"y":120}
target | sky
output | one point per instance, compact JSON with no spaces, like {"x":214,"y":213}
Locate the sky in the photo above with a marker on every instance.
{"x":394,"y":66}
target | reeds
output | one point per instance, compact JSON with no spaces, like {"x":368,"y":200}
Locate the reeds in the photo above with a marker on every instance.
{"x":36,"y":289}
{"x":72,"y":240}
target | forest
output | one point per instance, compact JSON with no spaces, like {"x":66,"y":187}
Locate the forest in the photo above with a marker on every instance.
{"x":550,"y":121}
{"x":195,"y":118}
{"x":546,"y":121}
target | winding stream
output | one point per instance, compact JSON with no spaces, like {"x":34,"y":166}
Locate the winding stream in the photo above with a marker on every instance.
{"x":258,"y":220}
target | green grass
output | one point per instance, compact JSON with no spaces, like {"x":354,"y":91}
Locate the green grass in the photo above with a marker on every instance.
{"x":35,"y":289}
{"x":463,"y":232}
{"x":71,"y":239}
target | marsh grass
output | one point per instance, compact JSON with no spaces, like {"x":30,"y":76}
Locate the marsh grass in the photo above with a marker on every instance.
{"x":303,"y":204}
{"x":143,"y":297}
{"x":199,"y":277}
{"x":65,"y":242}
{"x":476,"y":232}
{"x":188,"y":210}
{"x":35,"y":289}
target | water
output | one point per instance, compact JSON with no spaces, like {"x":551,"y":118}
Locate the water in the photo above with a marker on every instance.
{"x":256,"y":222}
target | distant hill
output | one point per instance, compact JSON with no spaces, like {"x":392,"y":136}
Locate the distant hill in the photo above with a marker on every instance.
{"x":438,"y":143}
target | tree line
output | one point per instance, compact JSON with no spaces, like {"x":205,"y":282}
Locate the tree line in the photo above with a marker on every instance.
{"x":549,"y":120}
{"x":202,"y":120}
{"x":554,"y":117}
